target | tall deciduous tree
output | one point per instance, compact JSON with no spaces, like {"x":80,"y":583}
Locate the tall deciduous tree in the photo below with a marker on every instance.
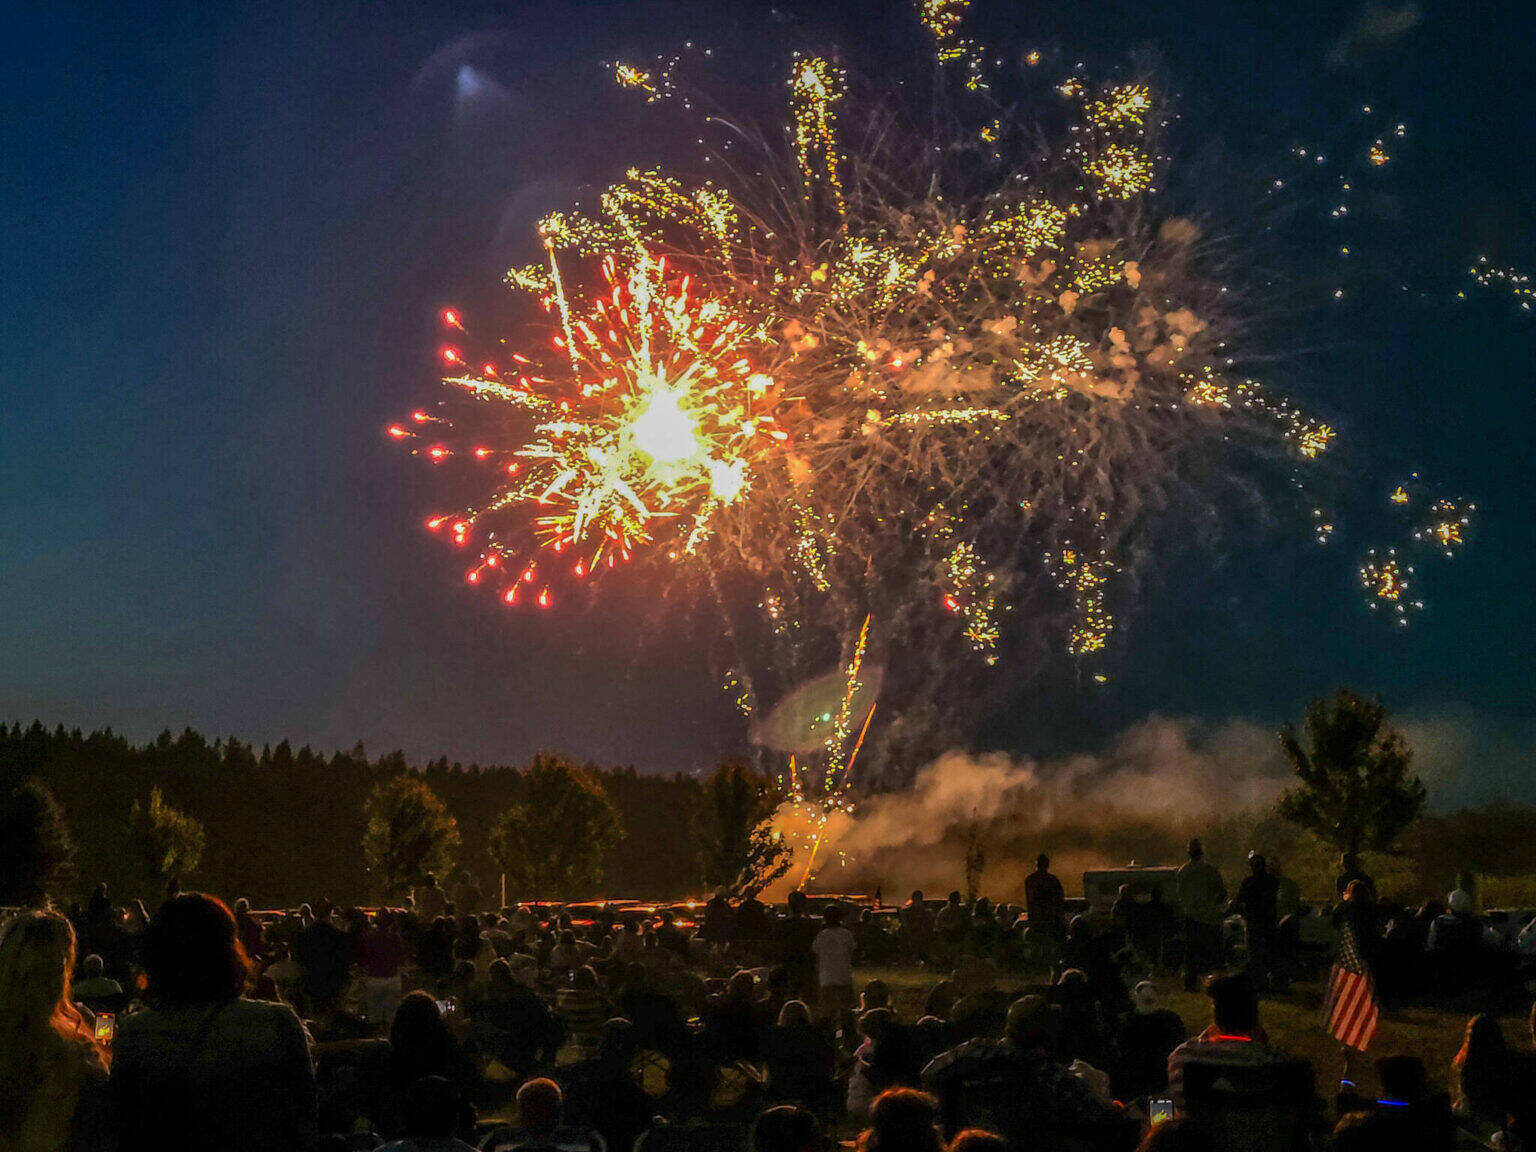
{"x":739,"y":850}
{"x":36,"y":853}
{"x":409,"y":832}
{"x":551,"y":844}
{"x":170,"y":841}
{"x":1357,"y":790}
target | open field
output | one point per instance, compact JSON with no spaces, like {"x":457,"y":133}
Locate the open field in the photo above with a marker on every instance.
{"x":1294,"y":1022}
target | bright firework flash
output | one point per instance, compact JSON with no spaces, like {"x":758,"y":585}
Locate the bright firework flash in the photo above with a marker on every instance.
{"x":878,"y":393}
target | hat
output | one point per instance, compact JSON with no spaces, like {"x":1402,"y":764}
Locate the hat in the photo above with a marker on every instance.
{"x":1460,"y":901}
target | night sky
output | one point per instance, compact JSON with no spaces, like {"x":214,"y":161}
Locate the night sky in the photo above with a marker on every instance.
{"x":228,"y":229}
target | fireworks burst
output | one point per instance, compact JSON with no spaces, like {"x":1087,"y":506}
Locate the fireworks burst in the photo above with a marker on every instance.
{"x":882,"y":387}
{"x":1389,"y":584}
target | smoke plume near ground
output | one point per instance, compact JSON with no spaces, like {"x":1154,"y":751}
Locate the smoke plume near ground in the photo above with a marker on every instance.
{"x":1156,"y":784}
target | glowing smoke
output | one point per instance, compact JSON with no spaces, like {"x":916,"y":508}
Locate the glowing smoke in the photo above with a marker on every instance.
{"x":1157,"y":783}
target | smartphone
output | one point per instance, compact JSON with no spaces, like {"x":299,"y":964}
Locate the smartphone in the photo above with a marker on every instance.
{"x":1160,"y":1108}
{"x":106,"y":1026}
{"x":446,"y":1006}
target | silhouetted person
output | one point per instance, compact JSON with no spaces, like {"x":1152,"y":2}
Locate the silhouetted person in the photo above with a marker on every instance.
{"x":1143,"y":1042}
{"x":916,"y":927}
{"x":1044,"y":900}
{"x":787,"y":1128}
{"x":541,"y":1115}
{"x":1015,"y":1088}
{"x":1350,"y":871}
{"x":430,"y":900}
{"x":1201,"y":896}
{"x":1232,"y":1085}
{"x":1255,"y":903}
{"x":53,"y":1074}
{"x":202,"y":1067}
{"x":432,"y":1114}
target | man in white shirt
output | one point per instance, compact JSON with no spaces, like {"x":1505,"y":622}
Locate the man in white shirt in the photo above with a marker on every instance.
{"x":833,"y":948}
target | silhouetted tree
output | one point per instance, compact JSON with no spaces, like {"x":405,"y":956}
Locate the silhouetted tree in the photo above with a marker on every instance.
{"x":1357,"y":791}
{"x":170,"y":841}
{"x":409,"y":833}
{"x":975,"y":859}
{"x":36,"y":854}
{"x":551,"y":844}
{"x":739,"y":850}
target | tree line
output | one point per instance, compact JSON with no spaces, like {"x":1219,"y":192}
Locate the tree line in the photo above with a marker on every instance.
{"x":281,"y":825}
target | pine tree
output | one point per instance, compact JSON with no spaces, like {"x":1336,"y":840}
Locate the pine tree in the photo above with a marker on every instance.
{"x":36,"y":853}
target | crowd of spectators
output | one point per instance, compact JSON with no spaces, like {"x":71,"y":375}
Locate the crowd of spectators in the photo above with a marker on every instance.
{"x":596,"y":1029}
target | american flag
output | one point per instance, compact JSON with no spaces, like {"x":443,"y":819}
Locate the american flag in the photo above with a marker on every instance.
{"x":1351,"y":1008}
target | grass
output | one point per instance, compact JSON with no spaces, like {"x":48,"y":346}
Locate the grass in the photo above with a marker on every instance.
{"x":1294,"y":1023}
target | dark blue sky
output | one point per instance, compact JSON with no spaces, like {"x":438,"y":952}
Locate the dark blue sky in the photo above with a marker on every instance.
{"x":228,"y":227}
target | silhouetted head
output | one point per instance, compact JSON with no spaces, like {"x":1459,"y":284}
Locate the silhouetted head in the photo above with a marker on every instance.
{"x":192,"y":952}
{"x":1234,"y":1005}
{"x":539,"y":1105}
{"x":1028,"y":1020}
{"x":431,"y":1109}
{"x":902,"y":1120}
{"x":786,"y":1128}
{"x":794,"y":1014}
{"x":1402,"y":1078}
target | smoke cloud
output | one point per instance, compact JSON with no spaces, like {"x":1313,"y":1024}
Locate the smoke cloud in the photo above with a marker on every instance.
{"x":1157,"y":783}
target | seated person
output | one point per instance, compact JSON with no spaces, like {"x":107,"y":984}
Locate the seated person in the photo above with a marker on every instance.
{"x":786,"y":1128}
{"x":95,"y":988}
{"x":602,"y":1094}
{"x":431,"y":1113}
{"x":1143,"y":1042}
{"x":1407,"y":1117}
{"x":540,"y":1110}
{"x":801,"y":1059}
{"x":1234,"y":1086}
{"x":1013,"y":1087}
{"x":509,"y":1021}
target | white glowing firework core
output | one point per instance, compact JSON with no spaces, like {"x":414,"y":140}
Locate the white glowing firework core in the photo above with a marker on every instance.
{"x":663,"y":431}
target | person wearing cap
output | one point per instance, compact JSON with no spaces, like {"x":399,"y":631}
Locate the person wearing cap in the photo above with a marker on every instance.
{"x":1255,"y":903}
{"x":1456,"y":943}
{"x":1143,"y":1042}
{"x":1013,"y":1087}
